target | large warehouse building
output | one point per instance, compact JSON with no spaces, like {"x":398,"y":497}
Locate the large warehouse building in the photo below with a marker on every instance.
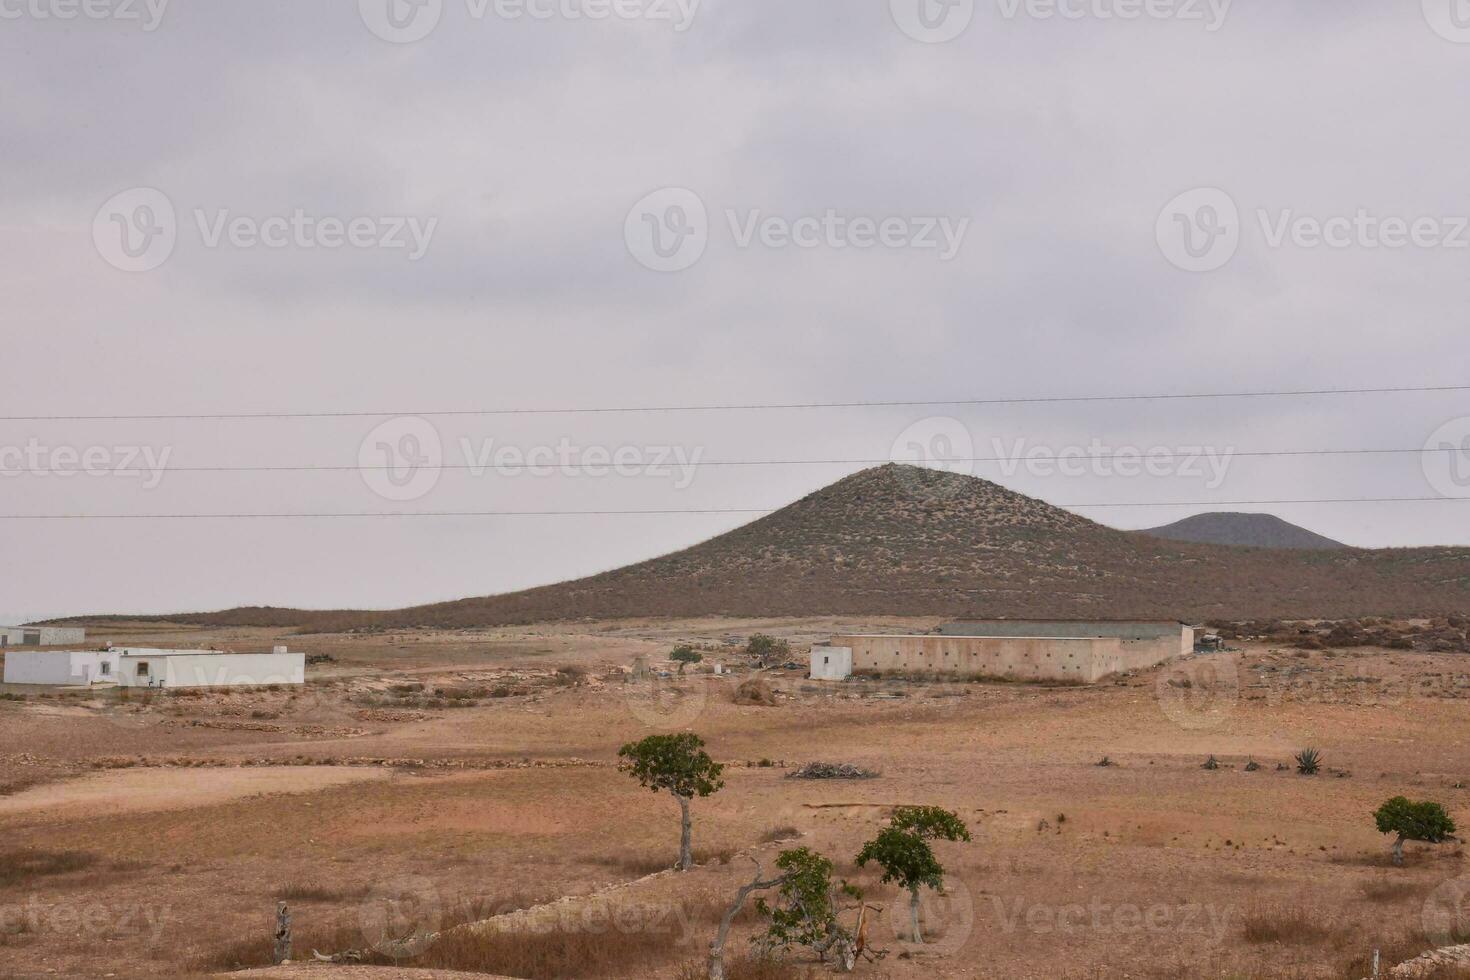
{"x":168,"y":669}
{"x":41,"y":636}
{"x":1081,"y":652}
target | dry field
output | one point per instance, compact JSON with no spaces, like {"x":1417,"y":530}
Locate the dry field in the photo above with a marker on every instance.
{"x":469,"y":774}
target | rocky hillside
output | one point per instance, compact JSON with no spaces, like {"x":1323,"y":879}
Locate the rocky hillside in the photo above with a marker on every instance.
{"x":1243,"y":530}
{"x":905,"y":541}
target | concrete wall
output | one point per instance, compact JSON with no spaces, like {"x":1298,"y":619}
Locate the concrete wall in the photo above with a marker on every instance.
{"x":166,"y":668}
{"x":22,"y":667}
{"x":1170,"y":635}
{"x":173,"y":668}
{"x":831,"y":663}
{"x":41,"y":636}
{"x":1033,"y":658}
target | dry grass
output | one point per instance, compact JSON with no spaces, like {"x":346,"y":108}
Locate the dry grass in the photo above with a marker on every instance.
{"x":776,"y":834}
{"x":24,"y":867}
{"x":743,"y":967}
{"x":1288,"y":926}
{"x":1389,"y":890}
{"x":298,"y":891}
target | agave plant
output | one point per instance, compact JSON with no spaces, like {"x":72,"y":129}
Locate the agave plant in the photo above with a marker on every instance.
{"x":1308,"y":762}
{"x":1252,"y":766}
{"x":1211,"y":763}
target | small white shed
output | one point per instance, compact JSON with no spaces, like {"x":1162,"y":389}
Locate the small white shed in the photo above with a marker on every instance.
{"x":831,"y":663}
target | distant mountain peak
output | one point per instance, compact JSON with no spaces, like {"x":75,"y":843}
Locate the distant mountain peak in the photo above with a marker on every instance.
{"x":1244,"y":530}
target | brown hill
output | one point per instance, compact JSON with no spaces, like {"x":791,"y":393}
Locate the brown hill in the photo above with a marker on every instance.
{"x":1244,"y":530}
{"x":900,"y":540}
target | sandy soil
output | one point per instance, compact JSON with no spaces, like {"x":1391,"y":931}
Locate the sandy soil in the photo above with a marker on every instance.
{"x":213,"y":808}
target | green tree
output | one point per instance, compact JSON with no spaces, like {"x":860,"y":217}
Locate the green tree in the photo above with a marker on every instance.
{"x":767,"y":649}
{"x":684,"y":656}
{"x":805,"y":912}
{"x":902,"y":850}
{"x":1423,"y":821}
{"x":675,"y":764}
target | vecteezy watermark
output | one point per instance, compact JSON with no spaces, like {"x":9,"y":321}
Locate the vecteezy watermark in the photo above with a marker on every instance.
{"x":94,"y":920}
{"x":1210,"y":13}
{"x":1445,"y":917}
{"x":1450,"y":19}
{"x":932,"y":21}
{"x":947,"y":444}
{"x":35,"y":458}
{"x":1201,"y":230}
{"x":403,"y":458}
{"x":1446,"y":458}
{"x":138,"y":230}
{"x":938,"y":21}
{"x":1207,"y":464}
{"x":146,"y":14}
{"x":1109,"y":918}
{"x":401,"y":917}
{"x":670,"y":229}
{"x":946,"y":918}
{"x":407,"y":21}
{"x":1199,"y":693}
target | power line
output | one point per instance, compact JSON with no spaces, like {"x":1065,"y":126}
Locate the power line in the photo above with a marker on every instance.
{"x":734,"y":407}
{"x":379,"y":515}
{"x":1139,"y":456}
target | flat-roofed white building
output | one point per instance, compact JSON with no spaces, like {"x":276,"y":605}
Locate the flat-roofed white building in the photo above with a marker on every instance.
{"x":146,"y":667}
{"x":41,"y":636}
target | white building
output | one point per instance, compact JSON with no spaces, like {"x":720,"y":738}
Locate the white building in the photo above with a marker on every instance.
{"x":41,"y":636}
{"x":831,"y":663}
{"x":143,"y":667}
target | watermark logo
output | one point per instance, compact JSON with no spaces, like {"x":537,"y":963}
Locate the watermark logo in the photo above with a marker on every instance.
{"x":1446,"y":913}
{"x":407,"y":21}
{"x":136,"y":230}
{"x":35,"y":458}
{"x":1207,"y":464}
{"x":1450,"y":19}
{"x":946,"y":918}
{"x":146,"y":13}
{"x":1447,"y":458}
{"x":932,"y":21}
{"x":1199,"y":692}
{"x":1211,"y":13}
{"x":668,"y":230}
{"x":51,"y":920}
{"x":402,"y":459}
{"x":668,"y":703}
{"x":401,"y":917}
{"x":401,"y":21}
{"x":1110,"y":918}
{"x":1199,"y":231}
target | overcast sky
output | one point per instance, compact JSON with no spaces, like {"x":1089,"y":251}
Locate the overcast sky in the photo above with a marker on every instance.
{"x":340,"y":207}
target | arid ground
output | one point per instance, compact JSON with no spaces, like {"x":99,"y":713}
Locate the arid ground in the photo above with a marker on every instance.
{"x":424,"y":779}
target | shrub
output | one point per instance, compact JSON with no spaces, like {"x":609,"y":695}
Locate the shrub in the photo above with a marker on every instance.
{"x":1424,"y":821}
{"x":1308,"y":762}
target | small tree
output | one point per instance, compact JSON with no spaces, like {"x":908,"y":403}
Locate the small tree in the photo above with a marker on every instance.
{"x":766,"y":649}
{"x":684,"y":656}
{"x":805,"y":913}
{"x":902,"y":850}
{"x":674,"y":764}
{"x":1423,"y":821}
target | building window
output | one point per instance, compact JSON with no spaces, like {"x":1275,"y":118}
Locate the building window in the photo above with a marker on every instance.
{"x":142,"y":668}
{"x":104,"y":668}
